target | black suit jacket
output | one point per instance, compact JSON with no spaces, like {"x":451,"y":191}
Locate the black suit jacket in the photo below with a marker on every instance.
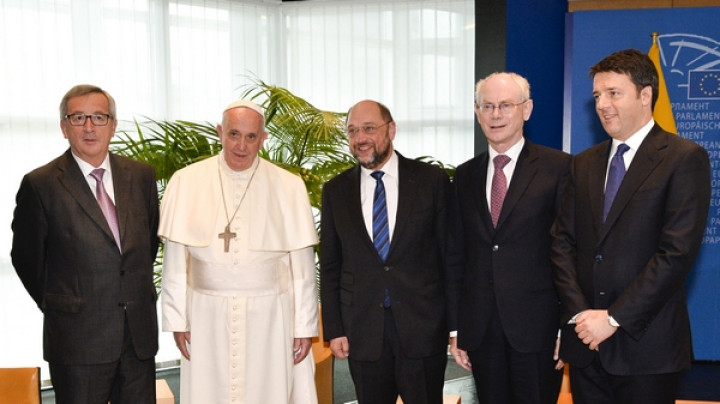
{"x":508,"y":266}
{"x":354,"y":278}
{"x":635,"y":264}
{"x":65,"y":255}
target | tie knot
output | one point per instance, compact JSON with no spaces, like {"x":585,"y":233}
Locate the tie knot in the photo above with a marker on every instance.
{"x":98,"y":174}
{"x":501,"y":161}
{"x":377,"y":175}
{"x":622,"y":148}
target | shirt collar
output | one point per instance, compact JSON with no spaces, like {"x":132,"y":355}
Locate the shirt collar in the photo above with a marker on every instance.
{"x":87,"y":168}
{"x":390,"y":168}
{"x":513,"y":152}
{"x":635,"y":139}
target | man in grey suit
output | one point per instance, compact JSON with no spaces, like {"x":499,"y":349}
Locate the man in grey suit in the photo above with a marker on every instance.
{"x":630,"y":227}
{"x":504,"y":305}
{"x":84,"y":243}
{"x":382,"y":266}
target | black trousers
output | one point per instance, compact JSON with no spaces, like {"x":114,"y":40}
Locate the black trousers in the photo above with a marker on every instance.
{"x":504,"y":375}
{"x":416,"y":380}
{"x":128,"y":380}
{"x":594,"y":385}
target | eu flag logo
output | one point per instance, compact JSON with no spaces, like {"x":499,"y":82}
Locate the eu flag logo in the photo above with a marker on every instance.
{"x":704,"y":85}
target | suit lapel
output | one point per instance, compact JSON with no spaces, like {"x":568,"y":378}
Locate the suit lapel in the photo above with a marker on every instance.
{"x":523,"y":174}
{"x":122,"y":184}
{"x":596,"y":182}
{"x":354,"y":208}
{"x":644,"y":162}
{"x":408,"y":186}
{"x":479,"y":193}
{"x":77,"y":186}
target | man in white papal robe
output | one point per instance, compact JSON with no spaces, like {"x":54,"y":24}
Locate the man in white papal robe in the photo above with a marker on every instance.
{"x":238,"y":288}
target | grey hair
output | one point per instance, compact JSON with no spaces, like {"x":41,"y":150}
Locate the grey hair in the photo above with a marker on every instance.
{"x":521,"y":81}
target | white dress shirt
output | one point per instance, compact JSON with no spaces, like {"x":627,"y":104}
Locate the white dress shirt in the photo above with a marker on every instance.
{"x":87,"y":168}
{"x":367,"y":190}
{"x":513,"y":152}
{"x":633,"y":143}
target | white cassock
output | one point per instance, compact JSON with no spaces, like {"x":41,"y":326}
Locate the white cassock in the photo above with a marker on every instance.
{"x":243,"y":307}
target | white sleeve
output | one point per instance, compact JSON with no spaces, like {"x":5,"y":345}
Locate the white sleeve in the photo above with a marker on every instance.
{"x":302,"y":264}
{"x":174,"y":287}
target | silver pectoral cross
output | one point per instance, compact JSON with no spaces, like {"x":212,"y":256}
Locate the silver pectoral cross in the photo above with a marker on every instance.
{"x":226,"y":236}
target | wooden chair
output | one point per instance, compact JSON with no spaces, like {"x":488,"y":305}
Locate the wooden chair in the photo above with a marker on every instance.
{"x":323,"y":366}
{"x":20,"y":385}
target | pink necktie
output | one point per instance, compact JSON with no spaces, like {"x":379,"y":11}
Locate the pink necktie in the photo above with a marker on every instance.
{"x":499,"y":187}
{"x":106,"y":204}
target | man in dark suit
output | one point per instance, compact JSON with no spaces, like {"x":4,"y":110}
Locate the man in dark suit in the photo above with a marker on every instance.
{"x":84,"y":242}
{"x":503,"y":305}
{"x":630,"y":227}
{"x":382,"y":266}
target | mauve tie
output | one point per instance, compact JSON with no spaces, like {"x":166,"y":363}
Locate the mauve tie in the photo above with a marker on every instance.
{"x":106,"y":204}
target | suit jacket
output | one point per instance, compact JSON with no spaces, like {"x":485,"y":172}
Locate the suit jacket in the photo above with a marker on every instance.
{"x":635,"y":264}
{"x":66,"y":256}
{"x":508,"y":266}
{"x":354,"y":278}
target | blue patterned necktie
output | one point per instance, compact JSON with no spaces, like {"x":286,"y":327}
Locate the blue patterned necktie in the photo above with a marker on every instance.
{"x":381,"y":230}
{"x":615,"y":177}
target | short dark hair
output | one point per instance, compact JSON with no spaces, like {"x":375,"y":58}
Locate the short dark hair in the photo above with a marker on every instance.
{"x":633,"y":63}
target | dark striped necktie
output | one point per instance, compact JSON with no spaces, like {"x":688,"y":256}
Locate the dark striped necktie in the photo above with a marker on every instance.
{"x":381,"y":230}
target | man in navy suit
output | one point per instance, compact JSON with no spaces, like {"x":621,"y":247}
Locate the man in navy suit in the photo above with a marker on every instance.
{"x":382,"y":287}
{"x":628,"y":233}
{"x":84,"y":243}
{"x":503,"y":305}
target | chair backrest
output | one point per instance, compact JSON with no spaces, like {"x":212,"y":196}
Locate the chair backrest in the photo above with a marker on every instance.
{"x":20,"y":385}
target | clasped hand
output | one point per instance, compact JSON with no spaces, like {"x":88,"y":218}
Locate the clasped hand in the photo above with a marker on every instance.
{"x":593,"y":327}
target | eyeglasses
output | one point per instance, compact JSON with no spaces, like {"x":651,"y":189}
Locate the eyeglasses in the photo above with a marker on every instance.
{"x":96,"y":119}
{"x":504,"y":107}
{"x":367,"y":129}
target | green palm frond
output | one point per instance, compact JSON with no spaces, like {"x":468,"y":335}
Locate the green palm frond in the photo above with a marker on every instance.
{"x":167,"y":146}
{"x":449,"y":169}
{"x":301,"y":134}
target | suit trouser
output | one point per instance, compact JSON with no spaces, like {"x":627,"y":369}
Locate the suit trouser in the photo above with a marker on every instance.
{"x":129,"y":380}
{"x":594,"y":385}
{"x":416,"y":380}
{"x":505,"y":375}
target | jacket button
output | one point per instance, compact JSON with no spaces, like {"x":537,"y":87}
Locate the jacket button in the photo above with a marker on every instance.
{"x":495,"y":248}
{"x":598,"y":258}
{"x":387,"y":269}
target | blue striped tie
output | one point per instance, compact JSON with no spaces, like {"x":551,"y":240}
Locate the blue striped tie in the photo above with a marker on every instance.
{"x":381,"y":230}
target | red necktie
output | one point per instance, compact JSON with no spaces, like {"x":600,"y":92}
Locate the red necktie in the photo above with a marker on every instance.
{"x":106,"y":204}
{"x":499,"y":187}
